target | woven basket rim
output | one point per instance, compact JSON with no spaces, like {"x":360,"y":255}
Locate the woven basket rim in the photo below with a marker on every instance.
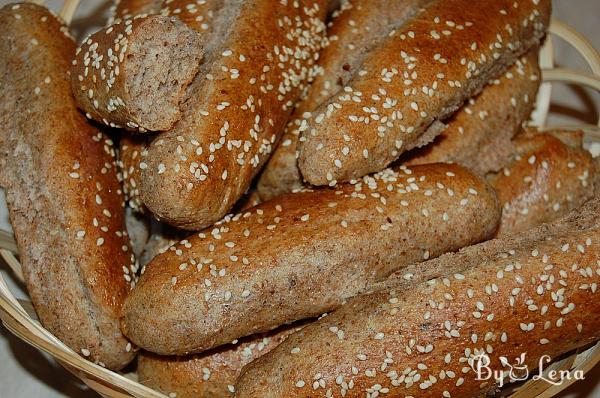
{"x":24,"y":324}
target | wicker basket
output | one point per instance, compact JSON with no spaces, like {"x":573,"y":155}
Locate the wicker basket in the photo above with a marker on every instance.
{"x":19,"y":317}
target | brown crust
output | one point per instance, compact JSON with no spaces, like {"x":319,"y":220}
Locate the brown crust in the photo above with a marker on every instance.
{"x":211,"y":374}
{"x":479,"y":135}
{"x":198,"y":15}
{"x":131,"y":145}
{"x":65,"y":201}
{"x":354,"y":29}
{"x":546,"y":180}
{"x":531,"y":294}
{"x":235,"y":111}
{"x":133,"y":74}
{"x":447,"y":54}
{"x":302,"y":254}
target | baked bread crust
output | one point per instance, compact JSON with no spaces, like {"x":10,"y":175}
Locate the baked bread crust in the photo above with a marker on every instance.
{"x":393,"y":104}
{"x":235,"y":110}
{"x":532,"y":293}
{"x":64,"y":199}
{"x":546,"y":180}
{"x":353,"y":31}
{"x":303,"y":254}
{"x":134,"y":73}
{"x":479,"y":136}
{"x":211,"y":374}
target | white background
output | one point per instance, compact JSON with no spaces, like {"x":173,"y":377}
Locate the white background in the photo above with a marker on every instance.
{"x":24,"y":372}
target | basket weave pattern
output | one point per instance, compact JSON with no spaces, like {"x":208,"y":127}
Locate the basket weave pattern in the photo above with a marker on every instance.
{"x":19,"y":317}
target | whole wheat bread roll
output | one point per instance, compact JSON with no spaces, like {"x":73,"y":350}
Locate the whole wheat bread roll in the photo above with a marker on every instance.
{"x":417,"y":77}
{"x":211,"y":374}
{"x":65,"y":201}
{"x":530,"y":294}
{"x":546,"y":180}
{"x":259,"y":57}
{"x":352,"y":32}
{"x":134,"y":73}
{"x":355,"y":28}
{"x":303,"y":254}
{"x":479,"y":136}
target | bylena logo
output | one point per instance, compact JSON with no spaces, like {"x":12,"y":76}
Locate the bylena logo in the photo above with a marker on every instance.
{"x":519,"y":371}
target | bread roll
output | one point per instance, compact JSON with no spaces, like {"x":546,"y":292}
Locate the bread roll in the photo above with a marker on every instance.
{"x":303,"y":254}
{"x":531,"y":295}
{"x":259,"y":58}
{"x":208,"y":375}
{"x":479,"y":136}
{"x":416,"y":78}
{"x":546,"y":180}
{"x":131,"y":145}
{"x":134,"y":73}
{"x":64,"y":199}
{"x":353,"y":31}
